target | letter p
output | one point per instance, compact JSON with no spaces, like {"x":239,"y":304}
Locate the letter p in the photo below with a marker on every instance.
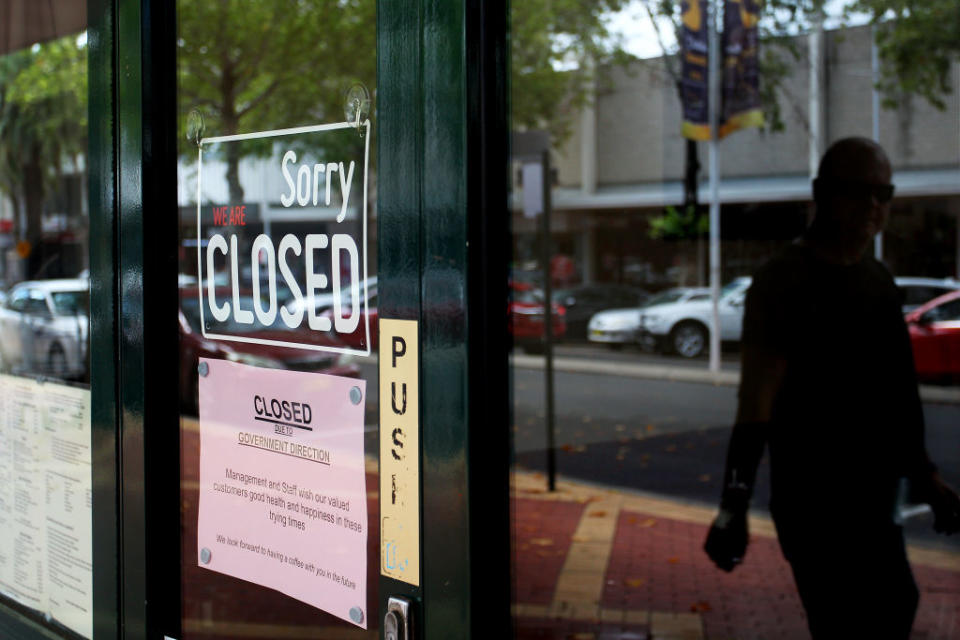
{"x":399,"y":349}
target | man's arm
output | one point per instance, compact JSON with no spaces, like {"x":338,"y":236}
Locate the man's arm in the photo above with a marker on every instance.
{"x":761,"y":378}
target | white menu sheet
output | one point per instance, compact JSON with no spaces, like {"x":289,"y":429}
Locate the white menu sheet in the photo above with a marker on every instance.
{"x":46,"y":541}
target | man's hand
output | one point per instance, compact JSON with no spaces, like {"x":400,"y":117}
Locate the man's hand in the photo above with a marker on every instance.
{"x":944,"y":502}
{"x":727,"y":540}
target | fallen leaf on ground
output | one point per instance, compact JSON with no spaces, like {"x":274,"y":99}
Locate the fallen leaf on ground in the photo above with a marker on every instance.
{"x":598,"y":514}
{"x":705,"y":477}
{"x":634,"y":582}
{"x":649,"y":522}
{"x":673,"y":559}
{"x":650,"y":427}
{"x":620,"y":427}
{"x":670,"y":449}
{"x":700,"y":607}
{"x":542,"y":542}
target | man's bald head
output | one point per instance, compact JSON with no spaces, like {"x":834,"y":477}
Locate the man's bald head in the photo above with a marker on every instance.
{"x":852,"y":193}
{"x":852,"y":158}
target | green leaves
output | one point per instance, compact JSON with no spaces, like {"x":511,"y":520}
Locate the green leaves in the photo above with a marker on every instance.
{"x":677,"y":224}
{"x":43,"y":116}
{"x":917,"y":41}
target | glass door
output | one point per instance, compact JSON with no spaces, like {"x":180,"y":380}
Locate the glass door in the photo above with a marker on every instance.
{"x":665,"y":288}
{"x":278,"y":290}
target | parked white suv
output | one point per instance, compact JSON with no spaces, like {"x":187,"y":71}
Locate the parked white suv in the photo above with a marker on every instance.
{"x":43,"y":328}
{"x":684,"y":327}
{"x":618,"y":327}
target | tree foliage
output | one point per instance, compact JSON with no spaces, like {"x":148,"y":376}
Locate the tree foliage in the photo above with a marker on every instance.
{"x":679,"y":224}
{"x":255,"y":65}
{"x":555,"y":47}
{"x":918,"y":41}
{"x":43,"y":121}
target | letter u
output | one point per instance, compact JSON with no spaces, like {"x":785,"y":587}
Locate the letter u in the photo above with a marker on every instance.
{"x":403,"y":390}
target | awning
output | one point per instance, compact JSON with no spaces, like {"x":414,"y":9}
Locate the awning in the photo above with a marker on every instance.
{"x":27,"y":22}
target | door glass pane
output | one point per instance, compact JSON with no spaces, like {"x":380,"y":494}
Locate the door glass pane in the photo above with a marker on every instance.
{"x":45,"y":439}
{"x":278,"y":318}
{"x":824,"y":332}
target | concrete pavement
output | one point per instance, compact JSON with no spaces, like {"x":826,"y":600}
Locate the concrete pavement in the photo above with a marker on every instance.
{"x":685,"y":372}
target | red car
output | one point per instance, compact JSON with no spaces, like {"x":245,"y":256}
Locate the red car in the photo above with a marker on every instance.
{"x":194,"y":346}
{"x":525,"y":317}
{"x":935,"y":336}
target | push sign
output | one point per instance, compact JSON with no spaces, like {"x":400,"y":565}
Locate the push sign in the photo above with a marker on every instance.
{"x":285,"y":262}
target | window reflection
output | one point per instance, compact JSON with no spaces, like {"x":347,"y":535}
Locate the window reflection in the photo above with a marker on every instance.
{"x":640,"y":421}
{"x":45,"y":453}
{"x":251,"y":66}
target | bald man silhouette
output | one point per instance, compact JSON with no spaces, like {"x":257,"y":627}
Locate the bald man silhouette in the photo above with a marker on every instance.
{"x":828,"y":383}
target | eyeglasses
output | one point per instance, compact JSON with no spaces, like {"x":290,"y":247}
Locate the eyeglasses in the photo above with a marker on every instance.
{"x":857,"y":189}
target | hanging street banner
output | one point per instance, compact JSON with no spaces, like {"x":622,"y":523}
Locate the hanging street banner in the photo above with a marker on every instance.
{"x":694,"y":88}
{"x":741,"y":85}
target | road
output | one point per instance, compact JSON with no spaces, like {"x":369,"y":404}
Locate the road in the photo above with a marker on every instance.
{"x":660,"y":436}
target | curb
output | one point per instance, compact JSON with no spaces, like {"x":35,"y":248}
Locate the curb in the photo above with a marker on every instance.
{"x":723,"y":378}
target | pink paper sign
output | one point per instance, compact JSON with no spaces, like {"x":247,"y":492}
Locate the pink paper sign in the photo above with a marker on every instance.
{"x":282,"y":488}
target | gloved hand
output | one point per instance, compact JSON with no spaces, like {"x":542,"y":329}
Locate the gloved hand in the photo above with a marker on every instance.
{"x":727,"y":540}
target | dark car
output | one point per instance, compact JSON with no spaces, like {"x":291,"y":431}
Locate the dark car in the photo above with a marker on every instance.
{"x":194,"y":345}
{"x":584,"y":301}
{"x":935,"y":336}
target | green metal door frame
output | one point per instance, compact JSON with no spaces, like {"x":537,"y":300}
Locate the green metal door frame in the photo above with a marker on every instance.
{"x":442,"y":188}
{"x":443,"y":247}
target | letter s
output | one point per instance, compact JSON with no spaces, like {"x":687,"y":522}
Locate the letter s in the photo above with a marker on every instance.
{"x":287,"y":200}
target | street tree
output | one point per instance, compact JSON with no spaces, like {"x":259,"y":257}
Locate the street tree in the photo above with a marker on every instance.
{"x":254,"y":65}
{"x":43,"y":124}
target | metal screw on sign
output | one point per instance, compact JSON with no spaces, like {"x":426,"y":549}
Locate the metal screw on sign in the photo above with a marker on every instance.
{"x":205,"y":555}
{"x":356,"y":396}
{"x":203,"y":369}
{"x":356,"y":614}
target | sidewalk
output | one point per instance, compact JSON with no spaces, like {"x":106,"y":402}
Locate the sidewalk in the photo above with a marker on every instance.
{"x":600,"y":564}
{"x":682,"y":373}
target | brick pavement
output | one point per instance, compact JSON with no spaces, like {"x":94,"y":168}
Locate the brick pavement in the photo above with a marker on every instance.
{"x":634,"y":568}
{"x":590,"y":563}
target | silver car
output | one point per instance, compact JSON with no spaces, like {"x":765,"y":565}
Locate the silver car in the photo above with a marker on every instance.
{"x":44,"y":327}
{"x":618,"y":327}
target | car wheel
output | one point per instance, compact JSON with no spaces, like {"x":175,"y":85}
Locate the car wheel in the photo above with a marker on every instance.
{"x":689,"y":339}
{"x":616,"y":346}
{"x":57,"y":361}
{"x":534,"y":349}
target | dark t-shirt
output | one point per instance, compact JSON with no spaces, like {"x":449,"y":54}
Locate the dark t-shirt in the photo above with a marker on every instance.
{"x":847,"y":421}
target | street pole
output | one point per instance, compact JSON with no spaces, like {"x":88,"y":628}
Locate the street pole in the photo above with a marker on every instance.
{"x":875,"y":112}
{"x":713,"y":101}
{"x":546,"y":255}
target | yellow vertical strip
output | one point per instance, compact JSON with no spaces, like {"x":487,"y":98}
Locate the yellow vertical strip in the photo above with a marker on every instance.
{"x":400,"y":450}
